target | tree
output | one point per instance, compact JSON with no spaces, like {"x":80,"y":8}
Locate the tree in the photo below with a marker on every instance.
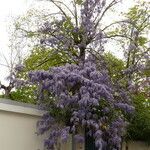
{"x":135,"y":51}
{"x":137,"y":57}
{"x":13,"y":63}
{"x":138,"y":129}
{"x":81,"y":92}
{"x":135,"y":42}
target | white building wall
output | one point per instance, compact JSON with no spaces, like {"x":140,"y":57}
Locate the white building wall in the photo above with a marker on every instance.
{"x":18,"y":129}
{"x":136,"y":145}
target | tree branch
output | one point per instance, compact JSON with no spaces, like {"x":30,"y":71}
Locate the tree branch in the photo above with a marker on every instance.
{"x":59,"y":8}
{"x":123,"y":21}
{"x":66,"y":7}
{"x":76,"y":15}
{"x":106,"y":9}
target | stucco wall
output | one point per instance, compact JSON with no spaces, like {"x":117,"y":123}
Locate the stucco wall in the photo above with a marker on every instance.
{"x":135,"y":145}
{"x":18,"y":129}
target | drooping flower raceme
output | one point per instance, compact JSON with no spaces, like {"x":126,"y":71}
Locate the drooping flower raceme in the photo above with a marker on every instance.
{"x":79,"y":97}
{"x":63,"y":34}
{"x":85,"y":98}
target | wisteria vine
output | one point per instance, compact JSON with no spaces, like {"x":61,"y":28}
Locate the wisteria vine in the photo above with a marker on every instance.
{"x":80,"y":96}
{"x":87,"y":99}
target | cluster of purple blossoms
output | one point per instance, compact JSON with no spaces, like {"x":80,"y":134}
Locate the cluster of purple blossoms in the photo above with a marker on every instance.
{"x":64,"y":35}
{"x":13,"y":78}
{"x":85,"y":94}
{"x":134,"y":69}
{"x":77,"y":96}
{"x":90,"y":13}
{"x":19,"y":67}
{"x":115,"y":133}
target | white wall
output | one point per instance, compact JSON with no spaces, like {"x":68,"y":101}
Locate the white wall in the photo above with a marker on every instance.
{"x":136,"y":145}
{"x":18,"y":129}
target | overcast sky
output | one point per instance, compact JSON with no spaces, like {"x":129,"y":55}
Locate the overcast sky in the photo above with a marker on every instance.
{"x":13,"y":8}
{"x":8,"y":10}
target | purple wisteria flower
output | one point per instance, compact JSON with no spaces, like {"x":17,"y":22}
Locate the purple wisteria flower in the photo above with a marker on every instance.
{"x":79,"y":93}
{"x":19,"y":67}
{"x":80,"y":96}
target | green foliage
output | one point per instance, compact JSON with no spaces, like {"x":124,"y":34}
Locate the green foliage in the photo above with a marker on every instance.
{"x":40,"y":58}
{"x":24,"y":94}
{"x":139,"y":15}
{"x":79,"y":2}
{"x":115,"y":66}
{"x":142,"y":40}
{"x":147,"y":72}
{"x":139,"y":128}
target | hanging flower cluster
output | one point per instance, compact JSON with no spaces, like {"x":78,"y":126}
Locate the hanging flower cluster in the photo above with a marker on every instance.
{"x":86,"y":99}
{"x":80,"y":96}
{"x":65,"y":34}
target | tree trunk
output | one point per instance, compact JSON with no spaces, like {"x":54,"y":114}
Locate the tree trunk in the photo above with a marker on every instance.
{"x":7,"y":93}
{"x":127,"y":146}
{"x":82,"y":55}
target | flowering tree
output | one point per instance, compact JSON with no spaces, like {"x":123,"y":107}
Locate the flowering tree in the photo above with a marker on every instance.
{"x":80,"y":96}
{"x":13,"y":80}
{"x":135,"y":43}
{"x":13,"y":63}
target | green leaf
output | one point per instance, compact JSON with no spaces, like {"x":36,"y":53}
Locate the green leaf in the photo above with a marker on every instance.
{"x":142,"y":40}
{"x":79,"y":2}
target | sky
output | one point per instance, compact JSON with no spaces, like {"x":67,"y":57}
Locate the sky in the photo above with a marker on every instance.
{"x":9,"y":9}
{"x":12,"y":8}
